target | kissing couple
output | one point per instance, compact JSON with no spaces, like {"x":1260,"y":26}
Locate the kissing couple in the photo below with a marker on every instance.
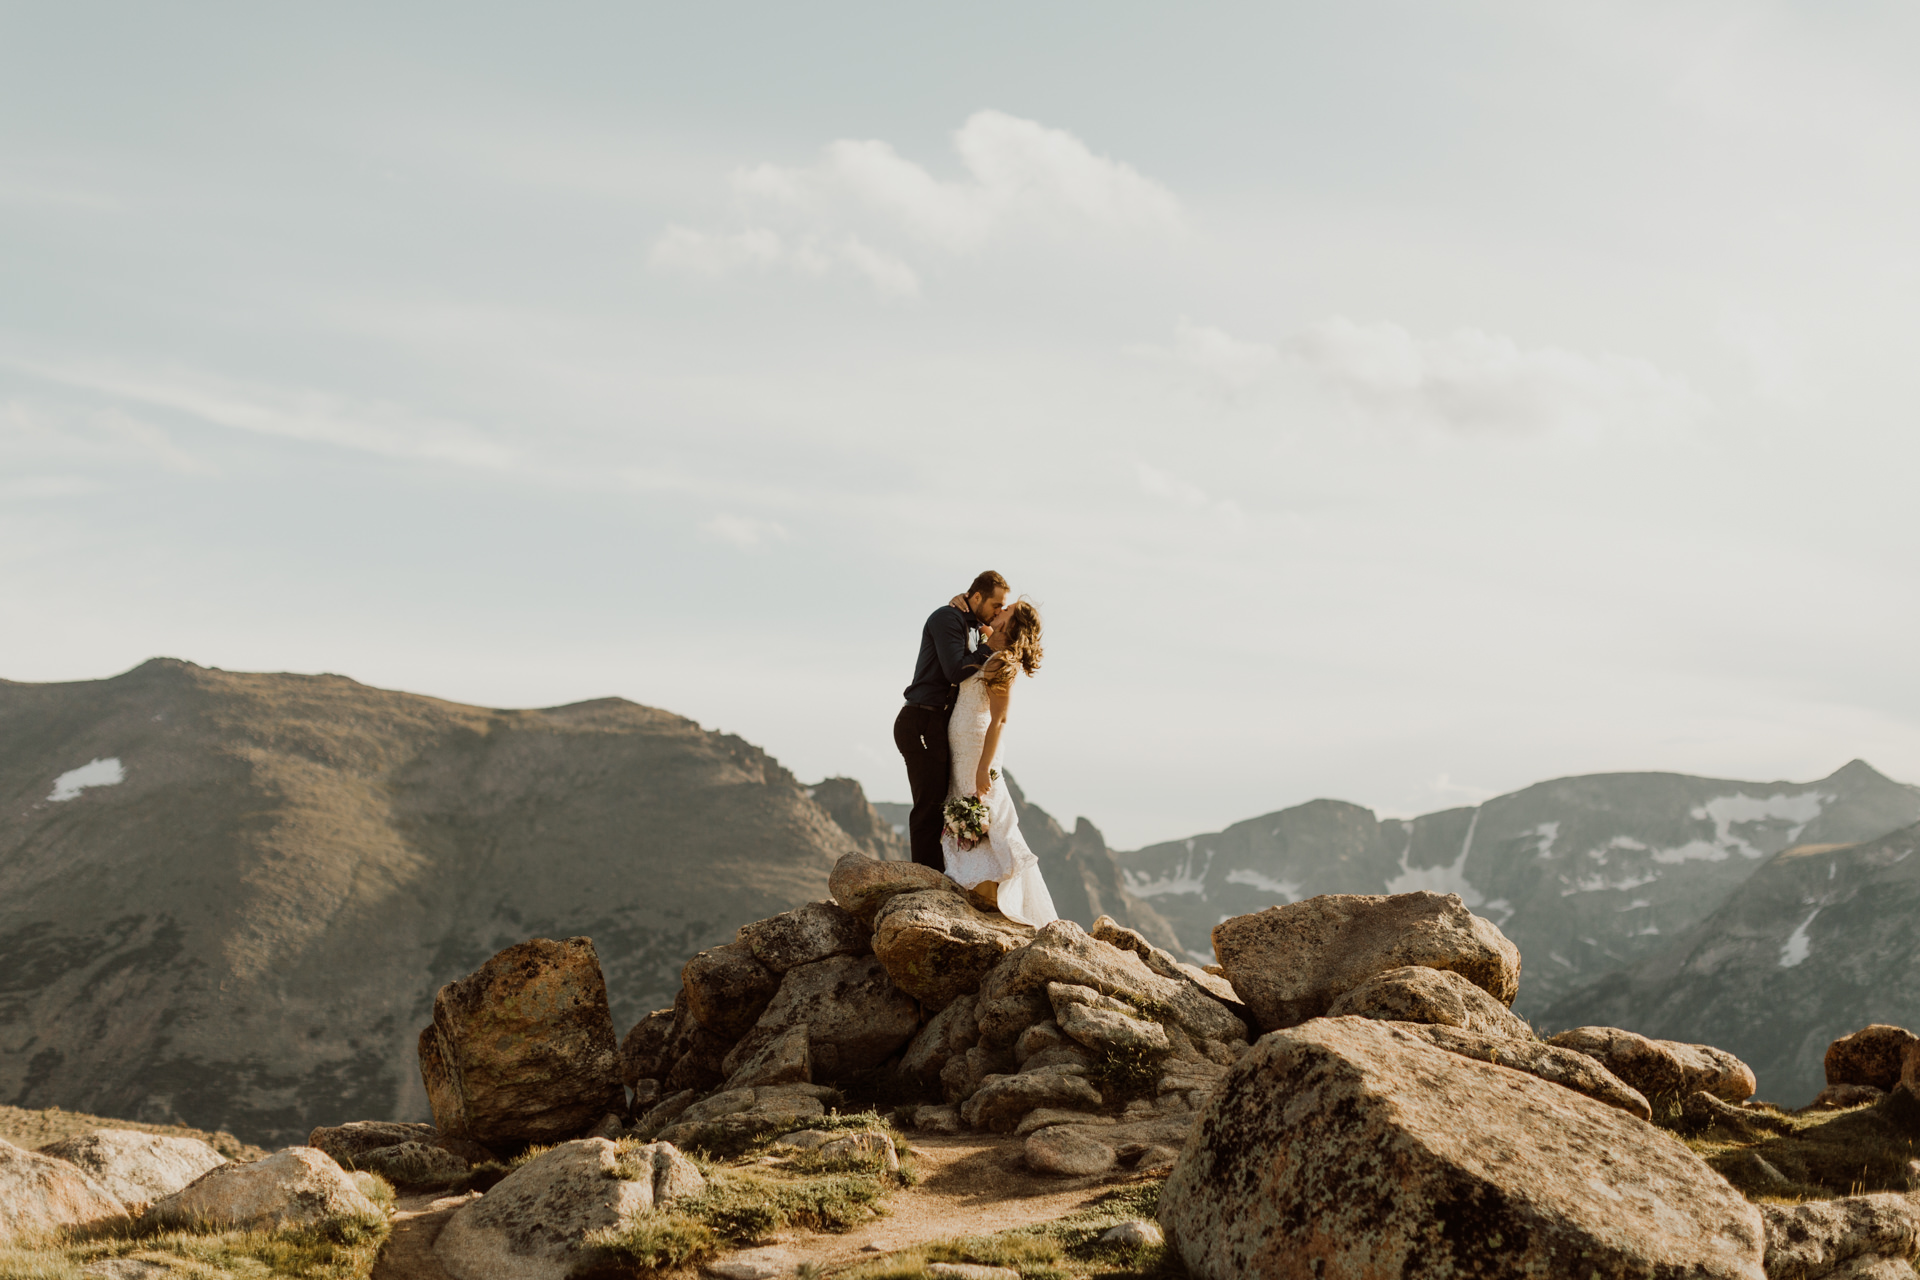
{"x":950,"y":732}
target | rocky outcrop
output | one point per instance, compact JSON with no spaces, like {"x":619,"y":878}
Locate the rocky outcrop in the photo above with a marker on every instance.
{"x":862,"y":886}
{"x":937,"y":946}
{"x":1440,"y":997}
{"x":1875,"y":1055}
{"x":536,"y":1223}
{"x":735,"y":1116}
{"x":727,"y":989}
{"x":41,"y":1193}
{"x":409,"y":1164}
{"x":1841,"y":1237}
{"x":136,"y":1168}
{"x":817,"y":931}
{"x":1290,"y":963}
{"x":346,"y":1143}
{"x":1401,"y":1159}
{"x":522,"y":1050}
{"x":854,"y":1016}
{"x":1564,"y":1067}
{"x":785,"y":1059}
{"x":295,"y":1187}
{"x":1662,"y":1068}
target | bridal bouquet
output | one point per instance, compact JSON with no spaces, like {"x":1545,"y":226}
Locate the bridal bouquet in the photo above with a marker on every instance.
{"x":967,"y":819}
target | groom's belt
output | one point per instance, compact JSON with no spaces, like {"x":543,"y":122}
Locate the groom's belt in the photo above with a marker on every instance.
{"x":921,"y":706}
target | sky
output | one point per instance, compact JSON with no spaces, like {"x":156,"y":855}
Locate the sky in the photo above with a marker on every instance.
{"x":1399,"y":402}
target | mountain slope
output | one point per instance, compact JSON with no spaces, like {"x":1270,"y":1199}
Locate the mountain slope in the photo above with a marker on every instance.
{"x":246,"y":931}
{"x":1820,"y":941}
{"x":1586,"y":875}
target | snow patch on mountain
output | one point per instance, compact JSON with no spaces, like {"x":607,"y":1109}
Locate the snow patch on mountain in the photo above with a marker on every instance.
{"x":94,"y":773}
{"x":1285,"y":890}
{"x":1740,"y":809}
{"x":1179,"y":880}
{"x":1448,"y":878}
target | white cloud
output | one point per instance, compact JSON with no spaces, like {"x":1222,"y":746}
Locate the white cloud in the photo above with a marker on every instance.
{"x":743,"y":532}
{"x":1477,"y":383}
{"x":720,"y":253}
{"x":1019,"y":174}
{"x":295,"y":414}
{"x":1216,"y":354}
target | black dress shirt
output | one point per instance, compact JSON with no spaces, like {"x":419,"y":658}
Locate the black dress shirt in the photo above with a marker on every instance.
{"x":947,"y":656}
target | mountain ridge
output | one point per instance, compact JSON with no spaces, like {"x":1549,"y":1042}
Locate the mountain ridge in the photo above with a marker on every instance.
{"x":1583,"y":872}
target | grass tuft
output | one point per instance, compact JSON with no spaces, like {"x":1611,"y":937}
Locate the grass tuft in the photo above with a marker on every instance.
{"x":658,"y":1240}
{"x":1124,"y":1074}
{"x":344,"y":1251}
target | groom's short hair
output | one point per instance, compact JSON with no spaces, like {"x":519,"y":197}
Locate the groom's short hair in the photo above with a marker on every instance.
{"x":986,"y":584}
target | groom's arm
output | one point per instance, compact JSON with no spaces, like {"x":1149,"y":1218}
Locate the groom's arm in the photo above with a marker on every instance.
{"x":949,"y":629}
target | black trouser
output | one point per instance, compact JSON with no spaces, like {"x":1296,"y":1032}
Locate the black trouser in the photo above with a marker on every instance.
{"x":921,"y":735}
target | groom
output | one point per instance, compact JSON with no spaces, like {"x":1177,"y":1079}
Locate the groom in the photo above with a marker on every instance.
{"x":957,"y":639}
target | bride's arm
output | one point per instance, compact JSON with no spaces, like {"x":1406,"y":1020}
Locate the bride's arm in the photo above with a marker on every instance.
{"x":997,"y":701}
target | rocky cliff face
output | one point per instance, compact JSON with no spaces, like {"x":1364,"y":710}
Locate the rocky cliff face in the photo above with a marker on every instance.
{"x":1820,"y":940}
{"x":228,"y":899}
{"x":1587,"y":875}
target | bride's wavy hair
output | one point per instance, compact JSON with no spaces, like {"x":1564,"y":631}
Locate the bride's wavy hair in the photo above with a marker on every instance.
{"x":1023,"y":651}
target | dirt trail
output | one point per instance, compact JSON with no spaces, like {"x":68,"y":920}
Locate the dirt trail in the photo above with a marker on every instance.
{"x":408,"y":1254}
{"x":970,"y":1184}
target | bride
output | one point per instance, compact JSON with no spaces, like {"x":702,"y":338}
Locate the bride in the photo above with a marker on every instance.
{"x":974,"y":733}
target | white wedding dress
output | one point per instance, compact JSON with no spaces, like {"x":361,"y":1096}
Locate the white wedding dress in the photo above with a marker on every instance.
{"x":1003,"y":856}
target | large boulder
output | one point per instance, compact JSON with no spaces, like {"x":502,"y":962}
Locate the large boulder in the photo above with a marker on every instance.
{"x":693,"y":1054}
{"x":1441,"y":997}
{"x":937,"y":946}
{"x":785,"y":1059}
{"x":855,"y":1017}
{"x":1063,"y":952}
{"x":817,"y":931}
{"x":522,"y":1049}
{"x":1661,"y":1068}
{"x":136,"y":1168}
{"x":863,"y":885}
{"x":1823,"y":1237}
{"x":1347,"y":1147}
{"x":1000,"y":1101}
{"x":413,"y":1164}
{"x":1872,"y":1055}
{"x":42,"y":1193}
{"x":293,"y":1187}
{"x":1108,"y":930}
{"x":643,"y":1054}
{"x":1099,"y":1022}
{"x":1290,"y":963}
{"x":726,"y":1121}
{"x":346,"y":1143}
{"x":535,"y":1224}
{"x":727,"y":989}
{"x":1564,"y":1067}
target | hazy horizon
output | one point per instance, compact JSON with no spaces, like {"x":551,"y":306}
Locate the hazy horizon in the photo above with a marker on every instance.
{"x":1388,"y":402}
